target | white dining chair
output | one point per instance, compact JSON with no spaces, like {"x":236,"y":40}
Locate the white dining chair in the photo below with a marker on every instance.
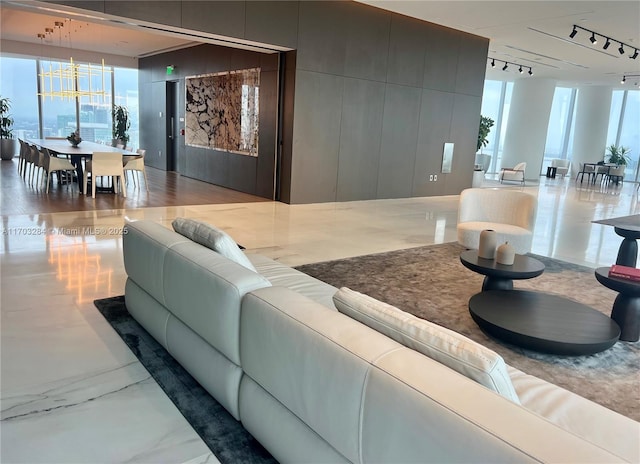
{"x":104,"y":164}
{"x":53,"y":164}
{"x":135,"y":165}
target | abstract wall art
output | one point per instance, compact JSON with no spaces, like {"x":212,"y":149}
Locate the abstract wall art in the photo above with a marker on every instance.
{"x":222,"y":111}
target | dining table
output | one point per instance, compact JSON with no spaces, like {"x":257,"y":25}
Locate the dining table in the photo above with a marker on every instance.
{"x":595,"y":169}
{"x":77,"y":153}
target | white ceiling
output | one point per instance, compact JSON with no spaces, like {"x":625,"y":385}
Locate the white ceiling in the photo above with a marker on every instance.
{"x":530,"y":33}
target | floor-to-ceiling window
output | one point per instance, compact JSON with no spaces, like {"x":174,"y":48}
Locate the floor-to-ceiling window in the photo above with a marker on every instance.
{"x":496,"y":101}
{"x":20,"y":82}
{"x":560,"y":129}
{"x":624,"y":128}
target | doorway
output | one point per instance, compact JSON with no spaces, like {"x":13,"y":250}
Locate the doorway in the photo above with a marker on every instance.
{"x":172,"y":125}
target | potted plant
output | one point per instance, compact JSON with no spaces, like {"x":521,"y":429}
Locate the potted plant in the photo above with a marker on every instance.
{"x":618,"y":155}
{"x":7,"y":142}
{"x":121,"y":125}
{"x":486,"y":124}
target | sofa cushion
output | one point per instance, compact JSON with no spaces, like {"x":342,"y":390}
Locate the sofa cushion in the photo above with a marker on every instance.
{"x":213,"y":238}
{"x":443,"y":345}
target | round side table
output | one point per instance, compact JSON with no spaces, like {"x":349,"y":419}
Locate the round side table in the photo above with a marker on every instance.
{"x":626,"y":307}
{"x":501,"y":276}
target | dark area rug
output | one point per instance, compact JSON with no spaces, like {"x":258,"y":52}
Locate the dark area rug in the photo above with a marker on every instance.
{"x":431,"y":283}
{"x":224,"y":436}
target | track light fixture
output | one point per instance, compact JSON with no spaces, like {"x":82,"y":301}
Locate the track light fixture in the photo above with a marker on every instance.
{"x":521,"y":67}
{"x":608,"y":41}
{"x":624,"y":78}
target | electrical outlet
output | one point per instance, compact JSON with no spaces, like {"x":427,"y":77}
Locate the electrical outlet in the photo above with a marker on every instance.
{"x":435,"y":178}
{"x":430,"y":177}
{"x":159,"y":152}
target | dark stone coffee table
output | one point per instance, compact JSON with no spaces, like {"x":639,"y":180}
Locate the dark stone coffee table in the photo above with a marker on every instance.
{"x":626,"y":307}
{"x":500,"y":276}
{"x":543,"y":322}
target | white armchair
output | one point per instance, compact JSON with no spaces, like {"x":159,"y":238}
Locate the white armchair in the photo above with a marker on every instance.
{"x":562,"y":166}
{"x":510,"y":213}
{"x":514,"y":174}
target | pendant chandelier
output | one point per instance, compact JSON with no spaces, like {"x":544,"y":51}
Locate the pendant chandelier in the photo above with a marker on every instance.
{"x":83,"y":81}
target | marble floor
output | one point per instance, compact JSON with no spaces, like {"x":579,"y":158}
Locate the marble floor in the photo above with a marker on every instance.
{"x":72,"y":392}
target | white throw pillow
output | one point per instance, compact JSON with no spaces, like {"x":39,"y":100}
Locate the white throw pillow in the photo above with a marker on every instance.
{"x":440,"y":344}
{"x":213,"y":238}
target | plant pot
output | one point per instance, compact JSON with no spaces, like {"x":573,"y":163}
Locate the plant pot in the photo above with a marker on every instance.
{"x":7,"y":149}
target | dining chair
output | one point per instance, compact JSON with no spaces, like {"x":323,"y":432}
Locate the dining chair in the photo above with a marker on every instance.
{"x":53,"y":164}
{"x":587,"y":169}
{"x":616,"y":174}
{"x":135,"y":165}
{"x":104,"y":164}
{"x":602,"y":170}
{"x":22,"y":157}
{"x":37,"y":162}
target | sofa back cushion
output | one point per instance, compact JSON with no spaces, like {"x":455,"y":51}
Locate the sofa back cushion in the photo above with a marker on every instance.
{"x":212,"y":237}
{"x":443,"y":345}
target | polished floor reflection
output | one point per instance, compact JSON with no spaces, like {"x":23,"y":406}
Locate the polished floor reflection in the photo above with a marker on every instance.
{"x":73,"y":392}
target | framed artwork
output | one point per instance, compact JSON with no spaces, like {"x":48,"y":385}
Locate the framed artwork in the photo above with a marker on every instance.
{"x":222,"y":111}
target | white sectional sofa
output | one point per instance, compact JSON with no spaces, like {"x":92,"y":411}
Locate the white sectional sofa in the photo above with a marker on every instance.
{"x":313,"y":384}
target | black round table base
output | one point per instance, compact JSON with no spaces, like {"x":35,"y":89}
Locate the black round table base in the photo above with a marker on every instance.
{"x":626,"y":312}
{"x":626,"y":307}
{"x":496,"y":283}
{"x":543,"y":322}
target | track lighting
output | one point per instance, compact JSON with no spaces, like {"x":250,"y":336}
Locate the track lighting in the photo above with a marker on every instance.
{"x":521,"y":67}
{"x":607,"y":43}
{"x":624,"y":78}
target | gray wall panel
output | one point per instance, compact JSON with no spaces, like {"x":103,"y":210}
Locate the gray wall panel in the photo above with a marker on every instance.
{"x":472,"y":63}
{"x":153,"y":136}
{"x":435,"y":122}
{"x":399,"y":141}
{"x":441,"y":59}
{"x":242,"y":173}
{"x":367,"y":45}
{"x":165,"y":12}
{"x":265,"y":163}
{"x":272,"y":22}
{"x":466,"y":113}
{"x":221,"y":17}
{"x":360,"y":128}
{"x":316,"y":138}
{"x":407,"y":48}
{"x":322,"y":37}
